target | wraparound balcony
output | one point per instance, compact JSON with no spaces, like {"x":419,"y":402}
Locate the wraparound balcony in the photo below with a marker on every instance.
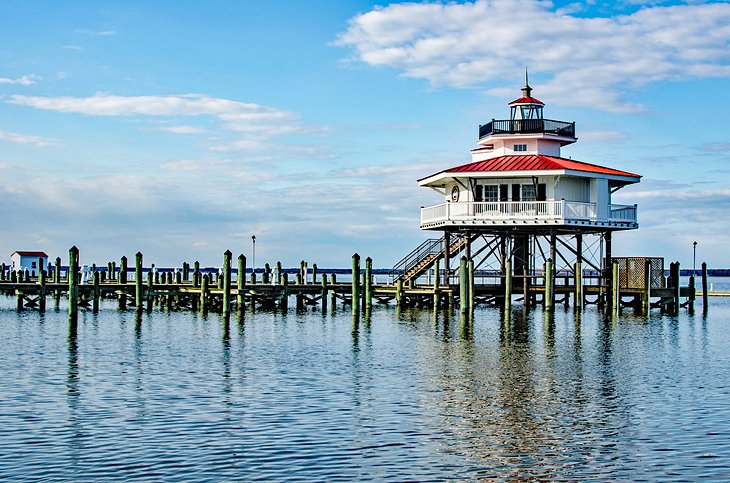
{"x":527,"y":213}
{"x":527,"y":126}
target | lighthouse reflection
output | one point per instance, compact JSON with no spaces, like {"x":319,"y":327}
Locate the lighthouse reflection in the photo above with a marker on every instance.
{"x":529,"y":398}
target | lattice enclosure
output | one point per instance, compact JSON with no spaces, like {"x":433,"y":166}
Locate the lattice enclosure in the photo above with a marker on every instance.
{"x":632,"y":272}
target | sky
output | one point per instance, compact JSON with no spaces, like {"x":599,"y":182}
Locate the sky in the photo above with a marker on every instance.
{"x":181,"y":129}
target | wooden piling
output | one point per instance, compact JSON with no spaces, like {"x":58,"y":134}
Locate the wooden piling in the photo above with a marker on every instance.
{"x":674,"y":272}
{"x":204,"y":294}
{"x":399,"y":299}
{"x":324,"y":290}
{"x":42,"y":291}
{"x":241,"y":280}
{"x":138,"y":281}
{"x":463,"y":286}
{"x":646,"y":296}
{"x":549,"y":294}
{"x":196,"y":274}
{"x":705,"y":295}
{"x":73,"y":283}
{"x":57,"y":271}
{"x":368,"y":283}
{"x":436,"y":283}
{"x":578,"y":280}
{"x":150,"y":285}
{"x":267,"y":274}
{"x":356,"y":282}
{"x":470,"y":275}
{"x":285,"y":295}
{"x":507,"y":285}
{"x":303,"y":272}
{"x":314,"y":274}
{"x":97,"y":292}
{"x":227,"y":256}
{"x":615,"y":290}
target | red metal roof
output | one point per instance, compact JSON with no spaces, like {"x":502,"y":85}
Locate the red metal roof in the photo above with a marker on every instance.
{"x":30,"y":254}
{"x":534,"y":162}
{"x":527,"y":100}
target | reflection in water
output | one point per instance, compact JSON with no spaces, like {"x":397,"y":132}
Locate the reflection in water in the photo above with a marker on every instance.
{"x":502,"y":395}
{"x":73,"y":394}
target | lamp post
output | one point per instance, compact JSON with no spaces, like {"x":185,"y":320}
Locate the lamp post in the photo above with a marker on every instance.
{"x":253,"y":258}
{"x":694,"y":257}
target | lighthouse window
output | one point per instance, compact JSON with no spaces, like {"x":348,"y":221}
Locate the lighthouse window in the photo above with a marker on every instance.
{"x":491,"y":193}
{"x":520,"y":147}
{"x":528,"y":192}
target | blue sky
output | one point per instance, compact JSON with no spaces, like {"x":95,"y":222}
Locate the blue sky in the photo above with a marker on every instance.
{"x":180,"y":129}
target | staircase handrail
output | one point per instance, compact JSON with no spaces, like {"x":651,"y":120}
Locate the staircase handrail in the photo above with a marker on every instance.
{"x":419,"y":253}
{"x":431,"y":246}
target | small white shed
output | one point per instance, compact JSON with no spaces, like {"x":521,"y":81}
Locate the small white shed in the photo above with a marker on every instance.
{"x":28,"y":260}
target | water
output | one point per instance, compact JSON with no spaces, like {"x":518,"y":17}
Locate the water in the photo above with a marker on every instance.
{"x":413,"y":396}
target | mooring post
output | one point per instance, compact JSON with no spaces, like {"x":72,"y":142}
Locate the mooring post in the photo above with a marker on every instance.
{"x":705,"y":294}
{"x":73,"y":283}
{"x":299,"y":296}
{"x":578,"y":278}
{"x":123,"y":282}
{"x":204,"y":294}
{"x":368,"y":283}
{"x":227,"y":256}
{"x":42,"y":292}
{"x":285,"y":294}
{"x":138,"y":281}
{"x":265,"y":275}
{"x":324,"y":291}
{"x":399,"y":293}
{"x":241,"y":280}
{"x":303,"y":272}
{"x":463,"y":285}
{"x":692,"y":294}
{"x":548,"y":295}
{"x":185,"y":272}
{"x":57,"y":272}
{"x":676,"y":288}
{"x":525,"y":285}
{"x":472,"y":287}
{"x":314,"y":274}
{"x":97,"y":292}
{"x":114,"y":270}
{"x":150,"y":285}
{"x":356,"y":282}
{"x":507,"y":285}
{"x":615,"y":294}
{"x":646,"y":296}
{"x":436,"y":283}
{"x":333,"y":292}
{"x":279,"y":271}
{"x":196,"y":274}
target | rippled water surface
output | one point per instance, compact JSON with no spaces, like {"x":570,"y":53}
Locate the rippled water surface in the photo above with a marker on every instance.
{"x":411,"y":395}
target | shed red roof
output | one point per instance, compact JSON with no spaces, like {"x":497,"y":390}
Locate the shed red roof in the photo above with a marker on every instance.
{"x":527,"y":100}
{"x":30,"y":254}
{"x":535,"y":162}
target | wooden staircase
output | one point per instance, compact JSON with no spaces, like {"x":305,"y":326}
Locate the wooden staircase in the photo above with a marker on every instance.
{"x":423,"y":257}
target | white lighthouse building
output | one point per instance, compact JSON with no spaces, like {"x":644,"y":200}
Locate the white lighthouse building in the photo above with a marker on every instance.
{"x":523,"y":200}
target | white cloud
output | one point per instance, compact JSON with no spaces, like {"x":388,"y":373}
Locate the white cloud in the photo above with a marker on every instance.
{"x":182,"y":129}
{"x":25,"y":139}
{"x":25,"y":80}
{"x":588,"y":61}
{"x":96,"y":33}
{"x":253,"y":125}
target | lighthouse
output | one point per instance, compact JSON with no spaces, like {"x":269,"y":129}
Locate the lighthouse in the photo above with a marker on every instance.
{"x":520,"y":203}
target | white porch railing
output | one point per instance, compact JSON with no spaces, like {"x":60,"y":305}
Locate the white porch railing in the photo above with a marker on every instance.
{"x":522,"y":210}
{"x":622,"y":213}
